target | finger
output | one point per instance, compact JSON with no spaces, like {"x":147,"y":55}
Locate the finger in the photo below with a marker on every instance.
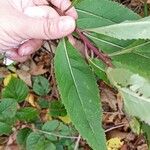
{"x":63,"y":5}
{"x":40,"y":2}
{"x":29,"y":47}
{"x":41,"y":11}
{"x":47,"y":28}
{"x":13,"y":55}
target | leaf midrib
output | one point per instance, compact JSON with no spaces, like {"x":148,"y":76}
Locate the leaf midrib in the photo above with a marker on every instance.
{"x":128,"y":50}
{"x":129,"y":92}
{"x":94,"y":15}
{"x":124,"y":50}
{"x":6,"y":108}
{"x":105,"y":41}
{"x":71,"y":72}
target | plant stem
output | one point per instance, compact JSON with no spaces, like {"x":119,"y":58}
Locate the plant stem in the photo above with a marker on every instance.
{"x":77,"y":143}
{"x":96,"y":51}
{"x":145,"y":9}
{"x":115,"y":127}
{"x":68,"y":8}
{"x":57,"y":135}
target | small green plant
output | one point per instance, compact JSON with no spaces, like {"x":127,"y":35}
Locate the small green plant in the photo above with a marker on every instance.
{"x":120,"y":34}
{"x":117,"y":51}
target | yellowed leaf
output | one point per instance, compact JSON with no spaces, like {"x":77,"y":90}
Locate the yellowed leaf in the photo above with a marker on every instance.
{"x":48,"y":117}
{"x":25,"y":76}
{"x":114,"y":144}
{"x":31,"y":100}
{"x":8,"y":78}
{"x":45,"y":116}
{"x":65,"y":119}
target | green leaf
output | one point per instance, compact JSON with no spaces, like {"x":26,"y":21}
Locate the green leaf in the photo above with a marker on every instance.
{"x":97,"y":13}
{"x":55,"y":127}
{"x":41,"y":86}
{"x":87,"y":13}
{"x":99,"y":69}
{"x":146,"y":130}
{"x":22,"y":137}
{"x":50,"y":146}
{"x":35,"y":141}
{"x":79,"y":93}
{"x":57,"y":109}
{"x":8,"y":108}
{"x":130,"y":54}
{"x":74,"y":2}
{"x":5,"y":129}
{"x":27,"y":114}
{"x":8,"y":120}
{"x":135,"y":92}
{"x":108,"y":44}
{"x":16,"y":89}
{"x":139,"y":29}
{"x":135,"y":126}
{"x":124,"y":53}
{"x":51,"y":125}
{"x":133,"y":55}
{"x":43,"y":103}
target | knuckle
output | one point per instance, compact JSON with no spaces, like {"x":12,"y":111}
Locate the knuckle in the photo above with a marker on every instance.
{"x":49,"y":29}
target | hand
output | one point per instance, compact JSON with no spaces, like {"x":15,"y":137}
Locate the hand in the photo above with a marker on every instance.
{"x":24,"y":24}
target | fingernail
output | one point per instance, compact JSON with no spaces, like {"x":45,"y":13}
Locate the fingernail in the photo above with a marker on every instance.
{"x":67,"y":24}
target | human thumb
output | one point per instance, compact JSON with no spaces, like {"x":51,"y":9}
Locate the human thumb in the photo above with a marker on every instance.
{"x":44,"y":28}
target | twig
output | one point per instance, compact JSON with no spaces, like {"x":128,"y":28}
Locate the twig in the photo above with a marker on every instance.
{"x":115,"y":127}
{"x":54,"y":89}
{"x":68,"y":8}
{"x":57,"y":135}
{"x":77,"y":143}
{"x":90,"y":45}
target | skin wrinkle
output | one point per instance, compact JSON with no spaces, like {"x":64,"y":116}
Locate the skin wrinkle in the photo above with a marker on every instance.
{"x":46,"y":25}
{"x":20,"y":37}
{"x":42,"y":2}
{"x":22,"y":5}
{"x":62,"y":5}
{"x":11,"y":37}
{"x":3,"y":46}
{"x":12,"y":3}
{"x":9,"y":44}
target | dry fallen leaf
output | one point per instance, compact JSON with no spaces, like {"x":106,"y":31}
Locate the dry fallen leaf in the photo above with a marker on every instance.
{"x":25,"y":76}
{"x":108,"y":96}
{"x":37,"y":69}
{"x":45,"y":116}
{"x":3,"y":72}
{"x":31,"y":100}
{"x":117,"y":133}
